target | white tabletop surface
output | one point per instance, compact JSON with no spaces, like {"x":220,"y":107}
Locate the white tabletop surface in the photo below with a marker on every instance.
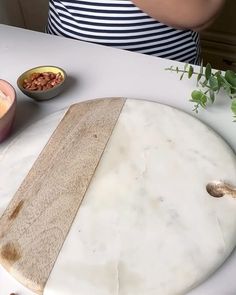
{"x":96,"y":71}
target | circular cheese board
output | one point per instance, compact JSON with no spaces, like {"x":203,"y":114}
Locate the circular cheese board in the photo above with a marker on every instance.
{"x":117,"y":201}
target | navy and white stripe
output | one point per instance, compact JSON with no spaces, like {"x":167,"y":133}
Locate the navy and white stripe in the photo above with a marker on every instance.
{"x":119,"y":23}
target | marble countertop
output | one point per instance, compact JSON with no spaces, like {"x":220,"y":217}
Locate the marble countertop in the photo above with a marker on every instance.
{"x":96,"y":71}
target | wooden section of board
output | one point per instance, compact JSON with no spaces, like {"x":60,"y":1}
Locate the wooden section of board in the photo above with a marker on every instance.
{"x":36,"y":223}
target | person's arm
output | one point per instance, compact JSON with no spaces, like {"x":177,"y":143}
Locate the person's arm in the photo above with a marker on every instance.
{"x":182,"y":14}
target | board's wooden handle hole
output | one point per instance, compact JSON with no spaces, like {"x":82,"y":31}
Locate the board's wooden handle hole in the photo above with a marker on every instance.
{"x":219,"y":189}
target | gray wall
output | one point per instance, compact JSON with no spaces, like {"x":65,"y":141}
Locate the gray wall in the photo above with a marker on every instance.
{"x":29,"y":14}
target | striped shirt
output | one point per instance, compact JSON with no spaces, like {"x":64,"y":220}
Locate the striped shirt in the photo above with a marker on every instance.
{"x":121,"y":24}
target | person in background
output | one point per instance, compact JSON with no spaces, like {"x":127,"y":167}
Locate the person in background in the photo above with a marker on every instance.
{"x":163,"y":28}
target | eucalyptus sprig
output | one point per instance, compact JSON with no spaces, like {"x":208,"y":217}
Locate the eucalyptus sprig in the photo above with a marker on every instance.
{"x":209,"y":83}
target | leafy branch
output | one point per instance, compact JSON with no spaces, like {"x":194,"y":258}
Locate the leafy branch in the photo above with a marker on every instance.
{"x":209,"y":84}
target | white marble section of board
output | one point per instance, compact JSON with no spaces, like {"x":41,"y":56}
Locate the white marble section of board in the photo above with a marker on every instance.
{"x":19,"y":154}
{"x":147,"y":225}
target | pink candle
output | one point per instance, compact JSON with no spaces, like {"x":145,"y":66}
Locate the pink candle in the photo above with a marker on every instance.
{"x":4,"y":103}
{"x":7,"y":108}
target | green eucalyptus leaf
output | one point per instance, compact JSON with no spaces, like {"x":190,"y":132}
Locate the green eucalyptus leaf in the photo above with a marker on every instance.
{"x":203,"y":101}
{"x":225,"y":82}
{"x":212,"y":95}
{"x":196,"y":95}
{"x":229,"y":89}
{"x":208,"y":71}
{"x":213,"y":83}
{"x":199,"y":97}
{"x":219,"y":78}
{"x":190,"y":71}
{"x":201,"y":68}
{"x":230,"y":77}
{"x":233,"y":106}
{"x":199,"y":76}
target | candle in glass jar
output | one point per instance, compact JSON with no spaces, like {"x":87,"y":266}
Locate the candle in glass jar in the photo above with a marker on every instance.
{"x":4,"y":103}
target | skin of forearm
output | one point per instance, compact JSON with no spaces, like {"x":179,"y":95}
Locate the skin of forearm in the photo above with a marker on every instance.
{"x":182,"y":14}
{"x":203,"y":27}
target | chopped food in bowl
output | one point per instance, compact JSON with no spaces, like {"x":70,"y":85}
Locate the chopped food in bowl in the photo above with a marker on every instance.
{"x":43,"y":82}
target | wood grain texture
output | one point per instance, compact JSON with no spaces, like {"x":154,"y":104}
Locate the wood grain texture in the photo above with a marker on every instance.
{"x":34,"y":226}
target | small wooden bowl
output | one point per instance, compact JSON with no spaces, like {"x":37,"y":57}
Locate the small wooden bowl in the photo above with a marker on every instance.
{"x":7,"y":119}
{"x":41,"y":95}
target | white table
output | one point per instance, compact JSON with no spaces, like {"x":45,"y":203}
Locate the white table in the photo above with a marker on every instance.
{"x":96,"y":71}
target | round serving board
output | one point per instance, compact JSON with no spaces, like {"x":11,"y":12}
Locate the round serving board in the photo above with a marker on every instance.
{"x":116,"y":203}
